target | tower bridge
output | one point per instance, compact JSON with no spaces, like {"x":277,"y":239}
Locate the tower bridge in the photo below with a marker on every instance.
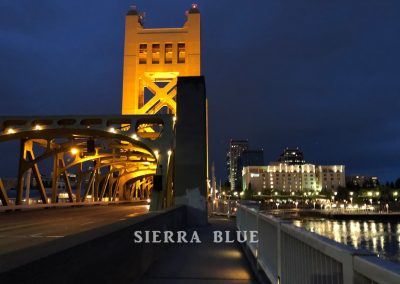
{"x":131,"y":155}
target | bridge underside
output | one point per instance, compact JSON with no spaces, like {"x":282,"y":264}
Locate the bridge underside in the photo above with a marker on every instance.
{"x":94,"y":158}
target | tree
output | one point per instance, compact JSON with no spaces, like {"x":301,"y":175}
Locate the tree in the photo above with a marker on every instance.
{"x":342,"y":193}
{"x":248,"y":194}
{"x":397,"y":183}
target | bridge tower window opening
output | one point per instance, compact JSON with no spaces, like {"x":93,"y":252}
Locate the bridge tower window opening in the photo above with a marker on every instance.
{"x":181,"y":53}
{"x":155,"y":53}
{"x":143,"y":53}
{"x":168,"y":53}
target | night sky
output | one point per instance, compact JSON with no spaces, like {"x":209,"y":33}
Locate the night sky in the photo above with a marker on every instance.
{"x":321,"y":75}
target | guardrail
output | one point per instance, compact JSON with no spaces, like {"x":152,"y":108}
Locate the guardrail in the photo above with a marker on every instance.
{"x":289,"y":254}
{"x":66,"y":205}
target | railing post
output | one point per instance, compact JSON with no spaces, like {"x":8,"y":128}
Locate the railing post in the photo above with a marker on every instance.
{"x":279,"y":251}
{"x":348,"y":270}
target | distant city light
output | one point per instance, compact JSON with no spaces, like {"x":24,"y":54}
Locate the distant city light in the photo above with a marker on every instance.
{"x":38,"y":127}
{"x":112,"y":130}
{"x":134,"y":136}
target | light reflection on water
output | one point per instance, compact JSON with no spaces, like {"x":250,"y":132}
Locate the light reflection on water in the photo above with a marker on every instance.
{"x":382,"y":238}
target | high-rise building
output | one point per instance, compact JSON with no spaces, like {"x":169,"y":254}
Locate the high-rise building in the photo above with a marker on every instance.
{"x":292,"y":157}
{"x":252,"y":158}
{"x":236,"y":148}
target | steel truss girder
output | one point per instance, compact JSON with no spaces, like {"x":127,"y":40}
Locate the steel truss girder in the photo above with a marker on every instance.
{"x":119,"y":153}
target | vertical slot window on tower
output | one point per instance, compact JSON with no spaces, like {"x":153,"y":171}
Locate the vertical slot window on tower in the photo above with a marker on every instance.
{"x":142,"y":53}
{"x":181,"y":53}
{"x":155,"y":53}
{"x":168,"y":53}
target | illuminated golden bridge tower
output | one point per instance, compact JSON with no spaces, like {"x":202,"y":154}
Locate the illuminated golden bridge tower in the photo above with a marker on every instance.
{"x":154,"y":58}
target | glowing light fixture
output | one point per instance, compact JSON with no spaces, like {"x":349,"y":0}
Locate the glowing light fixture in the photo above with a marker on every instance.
{"x":38,"y":127}
{"x":134,"y":136}
{"x":156,"y":153}
{"x":169,"y":152}
{"x":112,"y":130}
{"x":10,"y":131}
{"x":74,"y":151}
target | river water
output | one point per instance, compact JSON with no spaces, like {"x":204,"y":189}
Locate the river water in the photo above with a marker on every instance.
{"x":382,"y":238}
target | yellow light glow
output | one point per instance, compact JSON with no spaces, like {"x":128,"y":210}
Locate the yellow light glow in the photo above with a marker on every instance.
{"x":134,"y":136}
{"x":38,"y":127}
{"x":10,"y":131}
{"x":174,"y":119}
{"x":156,"y":153}
{"x":74,"y":151}
{"x":169,"y":152}
{"x":112,"y":130}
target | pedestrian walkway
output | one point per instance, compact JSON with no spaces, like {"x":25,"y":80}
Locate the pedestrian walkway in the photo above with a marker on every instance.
{"x":207,"y":262}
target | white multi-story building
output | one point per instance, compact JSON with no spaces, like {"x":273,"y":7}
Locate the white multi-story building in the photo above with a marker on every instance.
{"x":293,"y":178}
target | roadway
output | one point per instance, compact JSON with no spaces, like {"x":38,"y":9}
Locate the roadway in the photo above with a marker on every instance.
{"x":24,"y":229}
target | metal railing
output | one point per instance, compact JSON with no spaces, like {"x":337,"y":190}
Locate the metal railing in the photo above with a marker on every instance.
{"x":289,"y":254}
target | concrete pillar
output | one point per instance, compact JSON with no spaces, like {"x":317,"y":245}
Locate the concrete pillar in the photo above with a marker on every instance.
{"x":191,"y":149}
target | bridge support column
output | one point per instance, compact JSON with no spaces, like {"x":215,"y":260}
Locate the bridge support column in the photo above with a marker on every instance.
{"x":191,"y":149}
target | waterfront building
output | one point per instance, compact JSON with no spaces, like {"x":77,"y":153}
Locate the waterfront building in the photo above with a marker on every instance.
{"x":293,"y":178}
{"x":362,"y":181}
{"x":236,"y":148}
{"x":292,"y":156}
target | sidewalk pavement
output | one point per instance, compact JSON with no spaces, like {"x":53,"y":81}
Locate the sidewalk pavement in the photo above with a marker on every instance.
{"x":205,"y":262}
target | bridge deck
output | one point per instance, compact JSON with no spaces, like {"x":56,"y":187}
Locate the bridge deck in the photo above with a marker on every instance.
{"x":24,"y":229}
{"x":207,"y":262}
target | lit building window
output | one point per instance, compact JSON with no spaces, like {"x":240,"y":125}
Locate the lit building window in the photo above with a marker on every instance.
{"x":181,"y":53}
{"x":168,"y":53}
{"x":142,"y":53}
{"x":155,"y":53}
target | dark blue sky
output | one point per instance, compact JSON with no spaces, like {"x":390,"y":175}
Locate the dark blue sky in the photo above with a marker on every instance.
{"x":321,"y":75}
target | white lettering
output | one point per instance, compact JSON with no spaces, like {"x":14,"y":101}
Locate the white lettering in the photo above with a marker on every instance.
{"x":147,"y":236}
{"x":241,"y":236}
{"x":138,"y":237}
{"x":228,"y":237}
{"x":217,"y":237}
{"x":168,"y":237}
{"x":156,"y":237}
{"x":253,"y":237}
{"x":195,"y":237}
{"x":181,"y":237}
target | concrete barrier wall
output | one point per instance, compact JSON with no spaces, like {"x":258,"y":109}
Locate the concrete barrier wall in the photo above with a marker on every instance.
{"x":103,"y":255}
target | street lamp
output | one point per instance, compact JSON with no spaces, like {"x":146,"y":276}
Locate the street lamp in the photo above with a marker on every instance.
{"x":74,"y":151}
